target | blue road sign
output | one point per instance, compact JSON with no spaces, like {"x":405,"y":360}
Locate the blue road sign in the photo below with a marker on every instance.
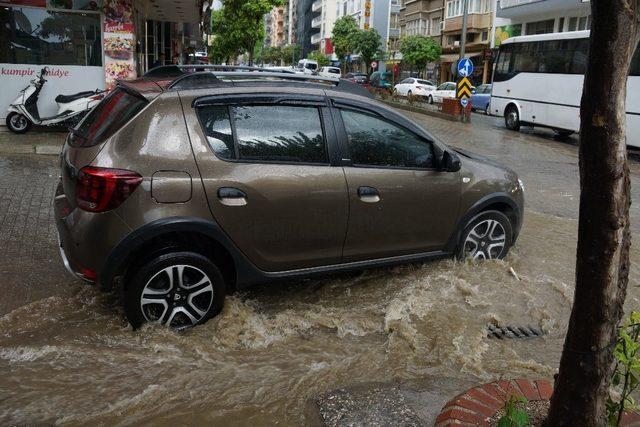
{"x":464,"y":102}
{"x":465,"y":67}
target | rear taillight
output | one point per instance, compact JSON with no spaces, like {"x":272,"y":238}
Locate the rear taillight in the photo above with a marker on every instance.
{"x":97,"y":97}
{"x":103,"y":189}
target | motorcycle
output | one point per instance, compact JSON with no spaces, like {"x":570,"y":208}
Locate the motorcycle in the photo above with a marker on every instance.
{"x":23,"y":112}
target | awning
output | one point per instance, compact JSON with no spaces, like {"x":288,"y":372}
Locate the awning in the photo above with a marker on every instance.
{"x":453,"y":57}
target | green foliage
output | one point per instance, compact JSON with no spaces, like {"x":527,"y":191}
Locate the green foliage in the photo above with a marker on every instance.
{"x":272,"y":55}
{"x":514,"y":416}
{"x":343,"y":36}
{"x":238,"y":26}
{"x":320,"y":58}
{"x":419,"y":50}
{"x":626,"y":371}
{"x":367,"y":43}
{"x":290,"y":54}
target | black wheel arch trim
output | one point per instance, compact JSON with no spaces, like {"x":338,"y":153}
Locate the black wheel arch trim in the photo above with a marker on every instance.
{"x":478,"y":207}
{"x":119,"y":258}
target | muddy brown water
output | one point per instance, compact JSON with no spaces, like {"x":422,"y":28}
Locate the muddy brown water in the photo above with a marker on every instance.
{"x":74,"y":361}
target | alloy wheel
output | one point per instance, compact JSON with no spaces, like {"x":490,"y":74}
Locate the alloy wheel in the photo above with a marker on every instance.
{"x":177,"y":296}
{"x":485,"y":241}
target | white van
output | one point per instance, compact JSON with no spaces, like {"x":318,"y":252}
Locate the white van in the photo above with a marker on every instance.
{"x":308,"y":66}
{"x":333,"y":72}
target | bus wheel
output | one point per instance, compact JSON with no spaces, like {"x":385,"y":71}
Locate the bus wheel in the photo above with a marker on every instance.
{"x":512,"y":118}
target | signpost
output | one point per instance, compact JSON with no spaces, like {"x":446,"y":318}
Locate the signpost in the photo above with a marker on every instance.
{"x":463,"y":88}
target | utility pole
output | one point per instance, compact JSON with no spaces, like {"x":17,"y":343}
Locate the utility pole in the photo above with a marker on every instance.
{"x":465,"y":16}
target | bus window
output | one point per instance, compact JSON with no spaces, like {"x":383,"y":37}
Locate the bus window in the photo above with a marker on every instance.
{"x":635,"y":64}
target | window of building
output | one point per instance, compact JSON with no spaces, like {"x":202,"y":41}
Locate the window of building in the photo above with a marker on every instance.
{"x":456,"y":7}
{"x":435,"y":26}
{"x":539,"y":27}
{"x":579,"y":23}
{"x":41,"y":36}
{"x":561,"y":25}
{"x":277,"y":133}
{"x":376,"y":142}
{"x":484,"y":36}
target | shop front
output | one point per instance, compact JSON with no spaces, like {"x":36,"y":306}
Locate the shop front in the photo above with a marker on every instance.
{"x":89,"y":44}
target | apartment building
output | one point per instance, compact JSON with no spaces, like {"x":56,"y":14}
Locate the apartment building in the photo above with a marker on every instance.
{"x":275,"y":27}
{"x":524,"y":17}
{"x":322,"y":25}
{"x":303,"y":29}
{"x":477,"y":46}
{"x":370,"y":14}
{"x":423,"y":18}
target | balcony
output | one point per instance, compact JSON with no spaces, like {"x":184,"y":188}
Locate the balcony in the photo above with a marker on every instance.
{"x":316,"y":6}
{"x":315,"y":39}
{"x":523,"y":9}
{"x":316,"y":22}
{"x":474,"y":22}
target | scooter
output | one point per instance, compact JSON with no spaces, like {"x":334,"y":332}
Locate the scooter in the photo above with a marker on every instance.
{"x":23,"y":112}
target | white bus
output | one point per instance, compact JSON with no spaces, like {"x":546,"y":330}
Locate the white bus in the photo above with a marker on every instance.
{"x":537,"y":81}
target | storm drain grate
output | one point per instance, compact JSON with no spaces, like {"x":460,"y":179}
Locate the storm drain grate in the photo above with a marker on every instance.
{"x":502,"y":332}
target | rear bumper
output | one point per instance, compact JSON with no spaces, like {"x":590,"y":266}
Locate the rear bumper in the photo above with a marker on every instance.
{"x":85,"y":239}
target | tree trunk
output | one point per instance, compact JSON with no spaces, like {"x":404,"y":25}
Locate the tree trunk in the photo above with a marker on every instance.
{"x":602,"y":265}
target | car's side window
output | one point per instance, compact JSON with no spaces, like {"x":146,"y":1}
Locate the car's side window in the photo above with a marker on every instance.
{"x":217,"y":127}
{"x":277,"y":133}
{"x":443,"y":86}
{"x":376,"y":142}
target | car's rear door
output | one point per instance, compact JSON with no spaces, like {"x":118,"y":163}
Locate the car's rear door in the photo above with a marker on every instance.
{"x":267,"y":171}
{"x":399,"y":202}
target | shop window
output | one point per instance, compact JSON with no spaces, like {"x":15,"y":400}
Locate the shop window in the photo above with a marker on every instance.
{"x":41,"y":36}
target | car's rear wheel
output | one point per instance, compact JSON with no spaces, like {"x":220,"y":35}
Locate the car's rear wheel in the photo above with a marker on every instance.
{"x":512,"y":118}
{"x":486,"y":236}
{"x":176,"y":289}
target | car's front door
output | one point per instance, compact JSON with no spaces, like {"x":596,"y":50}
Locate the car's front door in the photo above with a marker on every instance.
{"x":399,"y":202}
{"x":269,"y":180}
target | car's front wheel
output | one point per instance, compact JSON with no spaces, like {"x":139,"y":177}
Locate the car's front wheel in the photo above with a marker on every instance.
{"x":486,"y":236}
{"x":176,"y":289}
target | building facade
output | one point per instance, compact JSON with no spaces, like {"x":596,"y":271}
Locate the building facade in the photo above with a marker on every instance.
{"x":477,"y":46}
{"x":525,"y":17}
{"x":276,"y":27}
{"x":88,"y":44}
{"x":423,"y":18}
{"x":304,"y":30}
{"x":322,"y":24}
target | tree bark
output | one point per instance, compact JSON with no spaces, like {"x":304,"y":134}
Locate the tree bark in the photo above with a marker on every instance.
{"x":602,"y":265}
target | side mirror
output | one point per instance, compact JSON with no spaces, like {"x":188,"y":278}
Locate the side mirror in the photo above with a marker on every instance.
{"x":450,"y":162}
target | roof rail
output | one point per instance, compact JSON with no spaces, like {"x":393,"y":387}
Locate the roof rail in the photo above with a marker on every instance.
{"x":197,"y":76}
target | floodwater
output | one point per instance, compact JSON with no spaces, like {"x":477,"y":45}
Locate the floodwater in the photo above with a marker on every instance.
{"x":74,"y":361}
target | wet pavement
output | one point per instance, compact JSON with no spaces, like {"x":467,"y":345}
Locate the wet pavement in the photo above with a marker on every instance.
{"x":68,"y":356}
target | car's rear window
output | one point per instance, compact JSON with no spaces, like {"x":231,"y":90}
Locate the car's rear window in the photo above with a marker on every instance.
{"x":111,"y":114}
{"x":334,"y":70}
{"x":425,"y":82}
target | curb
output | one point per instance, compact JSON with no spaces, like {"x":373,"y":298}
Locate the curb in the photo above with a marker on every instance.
{"x":477,"y":405}
{"x":418,"y":110}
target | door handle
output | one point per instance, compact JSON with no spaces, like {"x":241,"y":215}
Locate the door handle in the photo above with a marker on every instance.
{"x":230,"y":196}
{"x":368,"y":194}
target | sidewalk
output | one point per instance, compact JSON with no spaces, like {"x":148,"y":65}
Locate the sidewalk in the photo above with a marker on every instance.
{"x":35,"y":141}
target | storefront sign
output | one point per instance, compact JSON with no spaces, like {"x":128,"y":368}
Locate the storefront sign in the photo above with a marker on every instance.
{"x":506,"y":31}
{"x":61,"y":80}
{"x":119,"y":41}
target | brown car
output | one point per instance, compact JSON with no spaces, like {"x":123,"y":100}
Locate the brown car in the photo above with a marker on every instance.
{"x":181,"y":189}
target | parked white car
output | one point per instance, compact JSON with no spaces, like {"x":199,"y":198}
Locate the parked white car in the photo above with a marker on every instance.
{"x":333,"y":72}
{"x":445,"y":90}
{"x":413,"y":86}
{"x":307,"y":66}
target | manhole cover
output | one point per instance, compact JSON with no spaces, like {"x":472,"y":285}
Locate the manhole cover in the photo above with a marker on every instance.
{"x":502,"y":332}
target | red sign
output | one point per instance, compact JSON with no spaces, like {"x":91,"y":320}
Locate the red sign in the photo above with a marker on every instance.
{"x":33,"y":3}
{"x":328,"y":46}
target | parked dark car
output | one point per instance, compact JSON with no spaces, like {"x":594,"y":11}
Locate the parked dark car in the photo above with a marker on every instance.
{"x":182,"y":189}
{"x":360,"y":78}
